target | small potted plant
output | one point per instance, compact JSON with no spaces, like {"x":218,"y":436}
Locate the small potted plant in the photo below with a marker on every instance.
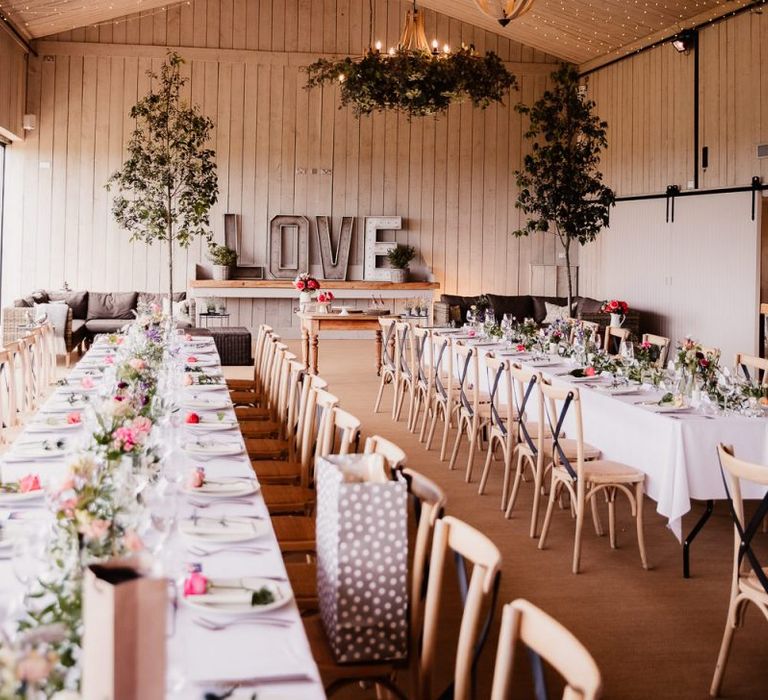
{"x":399,"y":258}
{"x":223,"y":260}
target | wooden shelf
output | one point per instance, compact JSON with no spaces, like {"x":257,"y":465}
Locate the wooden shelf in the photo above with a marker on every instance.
{"x":333,"y":285}
{"x":283,"y":289}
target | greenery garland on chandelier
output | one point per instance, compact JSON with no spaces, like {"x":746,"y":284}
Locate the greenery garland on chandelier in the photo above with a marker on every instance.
{"x":414,"y":78}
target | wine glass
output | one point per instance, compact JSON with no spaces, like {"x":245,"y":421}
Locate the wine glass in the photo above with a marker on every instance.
{"x":471,"y":318}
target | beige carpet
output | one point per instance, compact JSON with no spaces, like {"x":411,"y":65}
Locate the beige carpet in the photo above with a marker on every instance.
{"x":652,"y":633}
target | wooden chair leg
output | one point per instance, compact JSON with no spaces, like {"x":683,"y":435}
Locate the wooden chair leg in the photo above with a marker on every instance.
{"x":432,"y":426}
{"x":611,"y":517}
{"x":508,"y":455}
{"x":577,"y":542}
{"x":639,"y":490}
{"x":486,"y":471}
{"x":381,"y":392}
{"x":520,"y":467}
{"x":596,"y":516}
{"x":424,"y":420}
{"x":538,"y":478}
{"x":725,"y":647}
{"x":446,"y":429}
{"x":456,"y":445}
{"x":548,"y":517}
{"x":471,"y":457}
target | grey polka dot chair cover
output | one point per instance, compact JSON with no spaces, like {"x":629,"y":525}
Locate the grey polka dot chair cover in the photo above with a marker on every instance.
{"x":362,"y":558}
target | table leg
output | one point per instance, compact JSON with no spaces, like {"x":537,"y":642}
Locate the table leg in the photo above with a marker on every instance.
{"x":379,"y":346}
{"x":305,"y":347}
{"x":692,"y":536}
{"x":315,"y":343}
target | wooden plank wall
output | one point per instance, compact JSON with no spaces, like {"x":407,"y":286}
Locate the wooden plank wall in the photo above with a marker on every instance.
{"x":648,"y":103}
{"x":13,"y":78}
{"x":280,"y":148}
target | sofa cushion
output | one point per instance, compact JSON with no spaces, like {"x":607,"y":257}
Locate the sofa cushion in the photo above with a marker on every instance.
{"x":39,"y":296}
{"x":111,"y":305}
{"x":463,"y":304}
{"x":157,"y":297}
{"x":520,"y":307}
{"x":77,"y":301}
{"x":585,"y":305}
{"x":104,"y":325}
{"x":540,"y":310}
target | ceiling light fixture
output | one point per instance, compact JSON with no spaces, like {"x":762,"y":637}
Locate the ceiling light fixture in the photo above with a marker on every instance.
{"x":684,"y":41}
{"x":504,"y":11}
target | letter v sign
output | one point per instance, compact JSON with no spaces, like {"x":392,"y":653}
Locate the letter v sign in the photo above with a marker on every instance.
{"x":334,"y":265}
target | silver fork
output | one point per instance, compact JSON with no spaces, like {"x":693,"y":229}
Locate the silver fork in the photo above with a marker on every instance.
{"x":214,"y":626}
{"x":200,"y":552}
{"x":227,"y":501}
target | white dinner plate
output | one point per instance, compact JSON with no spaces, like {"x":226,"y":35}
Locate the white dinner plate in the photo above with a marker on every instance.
{"x":236,"y":601}
{"x":24,"y":453}
{"x":666,"y":408}
{"x":12,"y":499}
{"x":52,"y":425}
{"x":214,"y":449}
{"x":59,"y":407}
{"x":207,"y":404}
{"x":578,"y":380}
{"x":224,"y":487}
{"x":203,"y":363}
{"x":207,"y":426}
{"x":543,"y":363}
{"x":230,"y":529}
{"x":618,"y":390}
{"x":206,"y":387}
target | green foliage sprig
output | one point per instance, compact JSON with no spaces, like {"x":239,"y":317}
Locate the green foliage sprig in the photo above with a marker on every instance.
{"x":401,"y":255}
{"x":222,"y":255}
{"x":561,"y":188}
{"x":417,"y":83}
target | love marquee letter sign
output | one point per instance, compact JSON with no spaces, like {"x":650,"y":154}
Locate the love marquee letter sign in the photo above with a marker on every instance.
{"x":376,"y":249}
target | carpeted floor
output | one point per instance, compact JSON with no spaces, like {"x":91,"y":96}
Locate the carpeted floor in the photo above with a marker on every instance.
{"x":652,"y":633}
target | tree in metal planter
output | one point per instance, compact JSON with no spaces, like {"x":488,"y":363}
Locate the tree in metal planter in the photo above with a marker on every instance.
{"x":561,"y":188}
{"x":168,"y":183}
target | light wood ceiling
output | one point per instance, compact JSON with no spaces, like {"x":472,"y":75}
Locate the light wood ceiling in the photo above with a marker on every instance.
{"x":582,"y":31}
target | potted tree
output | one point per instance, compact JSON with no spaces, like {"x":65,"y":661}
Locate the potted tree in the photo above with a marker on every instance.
{"x":399,"y":258}
{"x":561,"y":188}
{"x":223,"y":259}
{"x":167,"y":183}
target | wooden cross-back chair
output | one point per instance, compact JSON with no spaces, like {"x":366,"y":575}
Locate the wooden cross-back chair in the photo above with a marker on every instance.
{"x":614,"y":337}
{"x":545,"y":639}
{"x":405,"y":379}
{"x":584,"y":480}
{"x":282,"y":402}
{"x":749,"y":575}
{"x":388,"y":365}
{"x":754,"y":369}
{"x":259,"y":397}
{"x":428,"y":505}
{"x":469,"y":547}
{"x":8,"y":413}
{"x":660,"y":342}
{"x":393,"y":456}
{"x":444,"y":396}
{"x":591,"y":326}
{"x":254,"y":384}
{"x":424,"y":380}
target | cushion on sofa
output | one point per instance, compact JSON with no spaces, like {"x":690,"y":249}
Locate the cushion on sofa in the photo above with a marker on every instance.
{"x":539,"y":308}
{"x":111,"y":305}
{"x":520,"y":307}
{"x":39,"y":296}
{"x":157,"y":297}
{"x":462,"y":303}
{"x":585,"y":305}
{"x":77,"y":301}
{"x":104,"y":325}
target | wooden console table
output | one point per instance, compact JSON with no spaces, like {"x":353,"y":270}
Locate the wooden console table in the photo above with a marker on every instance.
{"x":313,"y":323}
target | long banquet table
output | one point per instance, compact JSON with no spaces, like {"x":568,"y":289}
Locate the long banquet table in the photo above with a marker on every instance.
{"x":678,"y":453}
{"x":246,"y":653}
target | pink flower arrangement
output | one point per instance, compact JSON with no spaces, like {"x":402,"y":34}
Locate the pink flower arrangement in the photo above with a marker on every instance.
{"x":196,"y":478}
{"x":96,"y":529}
{"x":74,"y":418}
{"x":471,"y":333}
{"x":141,"y":425}
{"x":325,"y":297}
{"x":137,"y":363}
{"x":87,"y":383}
{"x":31,"y":482}
{"x":306,"y":283}
{"x":125,"y":439}
{"x":520,"y":347}
{"x":109,"y":360}
{"x":615,"y":306}
{"x":33,"y":669}
{"x":188,"y":381}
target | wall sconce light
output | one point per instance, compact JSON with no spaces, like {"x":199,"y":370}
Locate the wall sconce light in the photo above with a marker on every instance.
{"x":684,"y":41}
{"x":29,"y":122}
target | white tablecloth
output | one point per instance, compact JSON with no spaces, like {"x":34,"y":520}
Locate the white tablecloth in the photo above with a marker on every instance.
{"x":678,"y":455}
{"x":244,"y":652}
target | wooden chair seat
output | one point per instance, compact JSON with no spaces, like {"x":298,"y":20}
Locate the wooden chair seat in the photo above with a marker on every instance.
{"x":276,"y":471}
{"x":295,"y":533}
{"x":245,"y":398}
{"x":753,"y":583}
{"x":303,"y":578}
{"x":259,"y":428}
{"x":570,"y":448}
{"x":266,"y":447}
{"x":603,"y":471}
{"x":287,"y":499}
{"x":252,"y":413}
{"x":241,"y":384}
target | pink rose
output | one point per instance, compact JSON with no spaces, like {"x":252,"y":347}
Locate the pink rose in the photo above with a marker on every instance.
{"x":188,"y":381}
{"x":195,"y":584}
{"x":312,"y":284}
{"x":155,"y":308}
{"x":31,"y":482}
{"x":321,"y":298}
{"x":520,"y":347}
{"x":73,"y":418}
{"x":137,"y":363}
{"x":132,"y":541}
{"x":196,"y":478}
{"x":96,"y":529}
{"x":646,"y":345}
{"x":68,"y":506}
{"x":329,"y":296}
{"x":589,"y":372}
{"x":471,"y":332}
{"x":141,"y":424}
{"x":300,"y":285}
{"x":33,"y":668}
{"x":109,"y":360}
{"x":87,"y":383}
{"x":125,"y":439}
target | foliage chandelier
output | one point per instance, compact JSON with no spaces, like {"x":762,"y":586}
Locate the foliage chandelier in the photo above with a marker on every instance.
{"x":414,"y":78}
{"x":504,"y":11}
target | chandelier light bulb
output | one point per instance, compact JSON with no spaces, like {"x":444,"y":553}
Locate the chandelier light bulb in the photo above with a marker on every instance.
{"x":391,"y":50}
{"x":446,"y":48}
{"x":378,"y":46}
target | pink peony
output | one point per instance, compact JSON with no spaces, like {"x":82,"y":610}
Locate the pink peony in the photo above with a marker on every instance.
{"x":196,"y":478}
{"x":132,"y":541}
{"x":312,"y":284}
{"x":137,"y":363}
{"x":195,"y":584}
{"x":589,"y":372}
{"x":471,"y":332}
{"x":300,"y":285}
{"x":141,"y":424}
{"x":645,"y":345}
{"x":520,"y":347}
{"x":74,"y":418}
{"x":109,"y":360}
{"x":155,"y":308}
{"x":96,"y":529}
{"x":33,"y":668}
{"x":125,"y":439}
{"x":30,"y":482}
{"x":87,"y":383}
